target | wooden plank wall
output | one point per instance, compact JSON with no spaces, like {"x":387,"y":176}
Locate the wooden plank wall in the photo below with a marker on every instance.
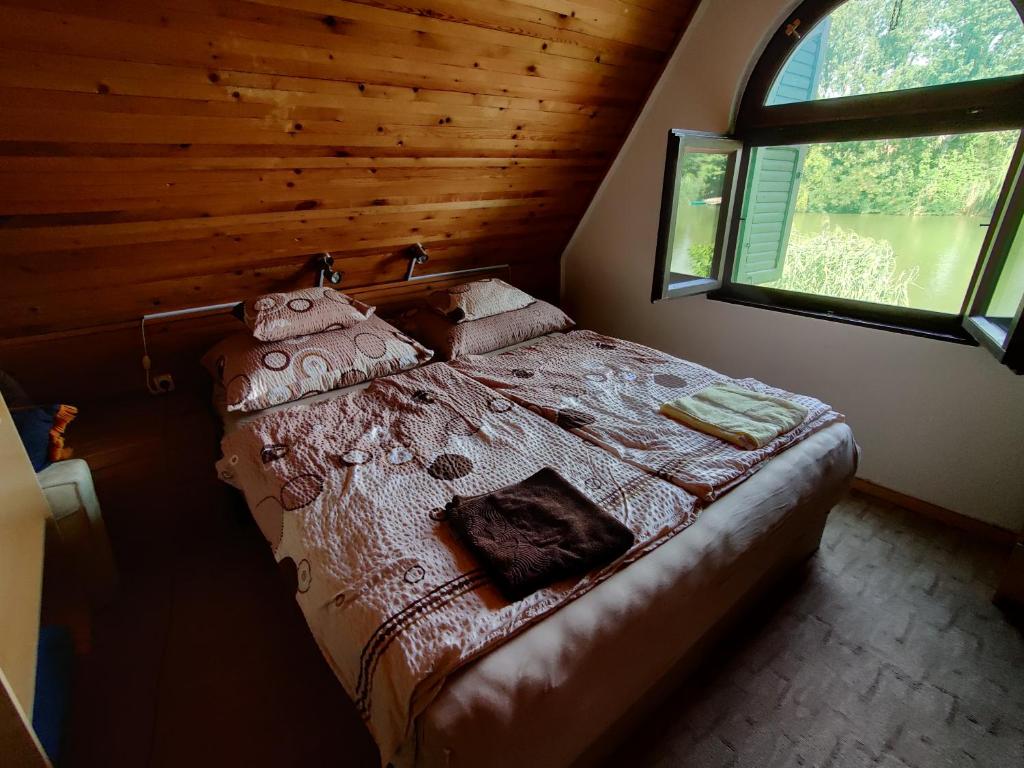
{"x":170,"y":153}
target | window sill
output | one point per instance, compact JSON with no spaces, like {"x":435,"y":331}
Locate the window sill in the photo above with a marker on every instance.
{"x":687,"y":285}
{"x":927,"y":325}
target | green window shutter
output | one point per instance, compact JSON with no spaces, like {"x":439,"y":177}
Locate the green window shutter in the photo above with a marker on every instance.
{"x":798,"y":80}
{"x":773,"y":178}
{"x":769,"y":203}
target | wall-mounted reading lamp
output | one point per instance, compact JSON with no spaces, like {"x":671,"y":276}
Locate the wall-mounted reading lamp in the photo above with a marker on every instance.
{"x":163,"y":383}
{"x":417,"y":254}
{"x":326,"y":264}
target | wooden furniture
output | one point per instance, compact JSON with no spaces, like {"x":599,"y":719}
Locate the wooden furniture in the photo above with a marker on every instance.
{"x":23,"y":517}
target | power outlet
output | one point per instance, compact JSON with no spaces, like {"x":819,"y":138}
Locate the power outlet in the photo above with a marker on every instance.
{"x":163,"y":383}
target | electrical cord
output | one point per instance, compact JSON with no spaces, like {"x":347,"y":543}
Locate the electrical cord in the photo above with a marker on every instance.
{"x":146,"y":362}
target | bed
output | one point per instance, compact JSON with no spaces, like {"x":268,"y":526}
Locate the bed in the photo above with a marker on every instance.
{"x":444,"y":671}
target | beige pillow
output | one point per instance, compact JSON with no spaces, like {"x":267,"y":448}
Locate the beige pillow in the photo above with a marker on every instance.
{"x":450,"y":340}
{"x":276,"y":316}
{"x":257,"y":375}
{"x":478,"y":299}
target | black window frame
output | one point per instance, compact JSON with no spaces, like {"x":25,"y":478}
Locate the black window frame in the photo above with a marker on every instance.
{"x":965,"y":107}
{"x":1005,"y":344}
{"x":669,"y":284}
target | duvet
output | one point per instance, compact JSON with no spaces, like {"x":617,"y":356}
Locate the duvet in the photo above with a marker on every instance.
{"x":608,"y":391}
{"x":350,"y":493}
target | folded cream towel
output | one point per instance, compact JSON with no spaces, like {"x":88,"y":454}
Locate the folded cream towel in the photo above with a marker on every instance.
{"x":741,"y":416}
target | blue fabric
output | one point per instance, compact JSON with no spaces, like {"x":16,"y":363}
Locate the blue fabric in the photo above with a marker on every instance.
{"x":34,"y":425}
{"x":53,"y":689}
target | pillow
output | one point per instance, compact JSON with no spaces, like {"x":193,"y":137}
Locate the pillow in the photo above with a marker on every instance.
{"x":451,"y":340}
{"x":257,"y":375}
{"x":478,"y":299}
{"x":276,"y":316}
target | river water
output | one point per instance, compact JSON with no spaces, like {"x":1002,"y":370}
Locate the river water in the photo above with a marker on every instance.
{"x":943,"y":248}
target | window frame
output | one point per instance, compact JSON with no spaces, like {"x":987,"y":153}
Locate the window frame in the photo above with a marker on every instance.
{"x":665,"y":287}
{"x":1009,"y":224}
{"x":907,"y":320}
{"x":966,"y":107}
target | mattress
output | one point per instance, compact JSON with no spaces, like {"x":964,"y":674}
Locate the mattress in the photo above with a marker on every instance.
{"x":546,"y":696}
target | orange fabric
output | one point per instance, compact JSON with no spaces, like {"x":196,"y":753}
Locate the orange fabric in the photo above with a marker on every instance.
{"x":65,"y":415}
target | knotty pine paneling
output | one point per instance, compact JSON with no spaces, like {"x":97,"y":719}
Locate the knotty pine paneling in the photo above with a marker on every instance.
{"x":179,"y":152}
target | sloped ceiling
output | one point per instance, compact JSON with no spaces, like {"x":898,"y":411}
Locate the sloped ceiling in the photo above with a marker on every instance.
{"x":170,"y":153}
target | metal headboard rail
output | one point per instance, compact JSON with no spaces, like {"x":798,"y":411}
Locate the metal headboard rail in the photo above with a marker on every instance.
{"x":417,"y":254}
{"x":163,"y":383}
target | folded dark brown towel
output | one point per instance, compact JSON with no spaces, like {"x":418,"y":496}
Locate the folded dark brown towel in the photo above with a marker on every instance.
{"x":534,"y":533}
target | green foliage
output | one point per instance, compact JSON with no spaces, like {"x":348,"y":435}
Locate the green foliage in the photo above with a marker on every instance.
{"x":927,"y":42}
{"x":934,"y":175}
{"x":702,"y":176}
{"x":932,"y":42}
{"x":701,"y":255}
{"x":836,"y":262}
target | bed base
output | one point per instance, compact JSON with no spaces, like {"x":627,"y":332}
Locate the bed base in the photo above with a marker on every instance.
{"x":751,"y":602}
{"x":611,"y":707}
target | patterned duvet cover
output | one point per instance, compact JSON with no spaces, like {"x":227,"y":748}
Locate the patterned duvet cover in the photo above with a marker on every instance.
{"x":350,"y":493}
{"x":608,"y":391}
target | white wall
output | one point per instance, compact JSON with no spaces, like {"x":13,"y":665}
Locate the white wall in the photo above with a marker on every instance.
{"x":940,"y":421}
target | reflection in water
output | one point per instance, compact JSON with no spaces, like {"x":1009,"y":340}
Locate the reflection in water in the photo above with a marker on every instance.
{"x":694,"y":242}
{"x":943,"y":248}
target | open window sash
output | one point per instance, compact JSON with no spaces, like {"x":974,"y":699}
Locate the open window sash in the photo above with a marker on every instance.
{"x":773,"y":185}
{"x":700,"y":176}
{"x":996,"y":303}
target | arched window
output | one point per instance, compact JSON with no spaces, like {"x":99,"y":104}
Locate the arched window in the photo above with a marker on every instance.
{"x":873,"y":176}
{"x":877,"y":46}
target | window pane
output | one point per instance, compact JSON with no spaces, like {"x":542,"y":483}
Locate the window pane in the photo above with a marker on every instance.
{"x":894,"y":221}
{"x":873,"y":46}
{"x":698,"y":203}
{"x":1009,"y":290}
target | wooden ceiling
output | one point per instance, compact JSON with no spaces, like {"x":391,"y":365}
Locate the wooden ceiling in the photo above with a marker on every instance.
{"x":169,"y":153}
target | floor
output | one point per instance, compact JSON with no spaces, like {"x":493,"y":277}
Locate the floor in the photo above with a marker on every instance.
{"x":204,"y":658}
{"x":885,"y":652}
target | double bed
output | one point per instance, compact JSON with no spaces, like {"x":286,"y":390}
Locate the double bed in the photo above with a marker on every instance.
{"x":350,"y":486}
